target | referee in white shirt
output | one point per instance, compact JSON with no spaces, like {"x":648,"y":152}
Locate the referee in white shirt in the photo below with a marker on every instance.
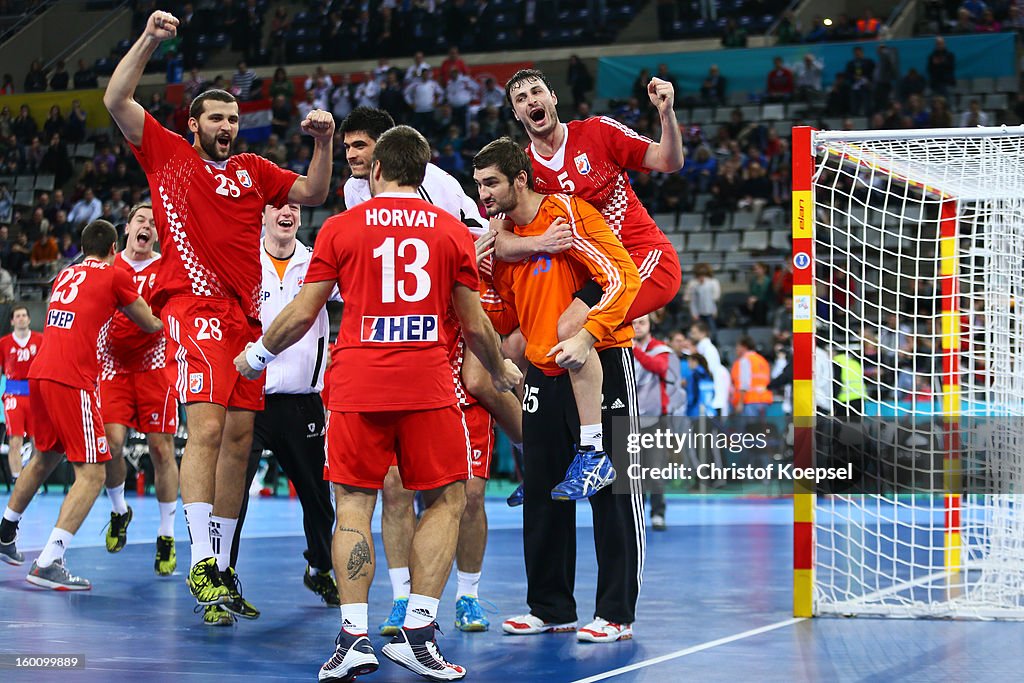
{"x":292,"y":422}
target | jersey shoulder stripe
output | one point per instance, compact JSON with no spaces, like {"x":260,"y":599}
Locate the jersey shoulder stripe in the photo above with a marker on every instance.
{"x":623,"y":128}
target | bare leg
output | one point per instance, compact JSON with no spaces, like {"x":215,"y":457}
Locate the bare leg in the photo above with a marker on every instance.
{"x":199,"y":462}
{"x":504,"y":406}
{"x":473,"y":529}
{"x":588,"y":380}
{"x":32,"y":477}
{"x":165,"y":468}
{"x":14,"y":443}
{"x":352,"y":547}
{"x":398,"y":521}
{"x":81,"y":496}
{"x":433,"y":545}
{"x":232,"y":462}
{"x":116,"y":468}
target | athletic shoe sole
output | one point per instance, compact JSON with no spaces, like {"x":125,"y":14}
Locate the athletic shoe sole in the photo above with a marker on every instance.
{"x":587,"y":636}
{"x":471,"y":628}
{"x":532,"y":631}
{"x":361,"y":669}
{"x":11,"y":561}
{"x":410,"y":662}
{"x":53,"y":585}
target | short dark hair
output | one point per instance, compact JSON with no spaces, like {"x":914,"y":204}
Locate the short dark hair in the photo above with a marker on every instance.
{"x":373,"y":122}
{"x":701,"y":327}
{"x":197,"y":107}
{"x":19,"y":307}
{"x":507,"y":156}
{"x":525,"y":75}
{"x":137,"y":208}
{"x":97,"y":238}
{"x":403,"y":154}
{"x":747,"y":343}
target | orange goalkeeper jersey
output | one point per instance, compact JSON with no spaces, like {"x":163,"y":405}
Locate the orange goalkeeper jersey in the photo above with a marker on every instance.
{"x":534,"y":293}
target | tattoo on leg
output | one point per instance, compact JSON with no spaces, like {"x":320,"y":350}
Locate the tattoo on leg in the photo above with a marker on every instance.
{"x":359,"y":558}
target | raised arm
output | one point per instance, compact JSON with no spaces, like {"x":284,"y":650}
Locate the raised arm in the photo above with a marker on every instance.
{"x":141,"y":314}
{"x":119,"y":97}
{"x":510,"y":247}
{"x":482,"y":340}
{"x":311,"y":189}
{"x":667,"y":155}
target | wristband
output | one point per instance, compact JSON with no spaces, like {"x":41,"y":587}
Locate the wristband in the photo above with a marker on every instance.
{"x":257,"y":355}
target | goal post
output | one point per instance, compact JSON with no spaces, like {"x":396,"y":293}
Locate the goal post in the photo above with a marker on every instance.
{"x":908,"y":330}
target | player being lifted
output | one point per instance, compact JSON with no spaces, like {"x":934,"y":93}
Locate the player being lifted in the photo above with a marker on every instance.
{"x":473,"y":386}
{"x":588,"y":159}
{"x":135,"y":394}
{"x":17,"y":351}
{"x":63,"y":380}
{"x":399,"y":263}
{"x":208,"y":205}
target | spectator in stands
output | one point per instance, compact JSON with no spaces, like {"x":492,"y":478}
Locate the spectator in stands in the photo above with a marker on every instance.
{"x":8,"y":85}
{"x":59,"y":79}
{"x":85,"y":78}
{"x":194,"y":85}
{"x":85,"y":210}
{"x":57,"y":203}
{"x":674,"y":194}
{"x":887,"y":76}
{"x":392,"y":99}
{"x":817,"y":32}
{"x":974,"y":116}
{"x":454,"y":61}
{"x":988,"y":23}
{"x":423,"y":95}
{"x":734,"y":35}
{"x":342,"y":98}
{"x":761,"y":298}
{"x":941,"y":68}
{"x":74,"y":131}
{"x":250,"y":30}
{"x":281,"y":115}
{"x":419,"y":65}
{"x":779,"y":85}
{"x":789,"y":30}
{"x":280,"y":84}
{"x":700,"y":169}
{"x":807,"y":77}
{"x":36,"y":224}
{"x":940,"y":116}
{"x":5,"y":233}
{"x":702,"y":295}
{"x":35,"y":79}
{"x":54,"y":124}
{"x":750,"y":376}
{"x":843,"y":29}
{"x":279,"y":27}
{"x":712,"y":90}
{"x":17,"y":260}
{"x":782,"y":320}
{"x":579,"y":79}
{"x":44,"y":254}
{"x":860,"y":72}
{"x":6,"y":205}
{"x":837,"y":102}
{"x":868,"y":25}
{"x":24,"y":127}
{"x":974,"y":8}
{"x":964,"y":24}
{"x":460,"y":92}
{"x":68,"y":249}
{"x":639,"y":90}
{"x":1014,"y":19}
{"x":33,"y":155}
{"x":321,"y":83}
{"x":242,"y":81}
{"x":666,"y":11}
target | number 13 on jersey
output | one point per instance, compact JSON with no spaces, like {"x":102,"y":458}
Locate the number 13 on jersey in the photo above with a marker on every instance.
{"x":390,"y":286}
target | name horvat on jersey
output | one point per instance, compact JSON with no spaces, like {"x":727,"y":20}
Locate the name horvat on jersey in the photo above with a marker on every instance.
{"x":399,"y":328}
{"x":400,"y":218}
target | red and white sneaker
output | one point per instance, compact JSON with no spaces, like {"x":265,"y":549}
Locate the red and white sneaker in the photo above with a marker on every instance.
{"x":604,"y":631}
{"x":528,"y":625}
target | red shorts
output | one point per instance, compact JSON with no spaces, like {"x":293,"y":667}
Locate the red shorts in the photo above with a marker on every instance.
{"x":204,"y":335}
{"x":481,"y":438}
{"x":431,"y":446}
{"x":18,"y":412}
{"x":660,"y":279}
{"x":140,"y":400}
{"x":68,"y":421}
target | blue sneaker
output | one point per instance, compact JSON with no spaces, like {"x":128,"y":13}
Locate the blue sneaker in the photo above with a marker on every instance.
{"x":393,"y":624}
{"x":516,"y":499}
{"x":589,"y":472}
{"x":469,"y":615}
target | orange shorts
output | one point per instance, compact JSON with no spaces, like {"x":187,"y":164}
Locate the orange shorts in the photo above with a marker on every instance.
{"x":68,"y":421}
{"x":140,"y":400}
{"x":18,"y":413}
{"x":431,"y":447}
{"x":204,"y":335}
{"x":660,"y":279}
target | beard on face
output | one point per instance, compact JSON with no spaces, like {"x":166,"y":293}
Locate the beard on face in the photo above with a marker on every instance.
{"x":209,"y":145}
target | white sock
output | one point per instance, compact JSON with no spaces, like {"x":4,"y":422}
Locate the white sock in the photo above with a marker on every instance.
{"x":12,"y":516}
{"x":469,"y":584}
{"x":55,"y":547}
{"x":590,"y":435}
{"x":354,"y":619}
{"x":222,"y":536}
{"x":400,"y":582}
{"x":167,"y":511}
{"x":422,"y":611}
{"x":116,"y":496}
{"x":197,"y":517}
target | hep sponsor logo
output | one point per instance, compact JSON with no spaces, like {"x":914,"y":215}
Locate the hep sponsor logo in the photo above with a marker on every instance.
{"x":62,"y":319}
{"x":399,"y":328}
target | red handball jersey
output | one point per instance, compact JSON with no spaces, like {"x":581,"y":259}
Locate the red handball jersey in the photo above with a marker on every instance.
{"x":208,"y":217}
{"x":16,"y":357}
{"x":591,"y":164}
{"x":396,"y":259}
{"x":123,"y":346}
{"x":84,"y":298}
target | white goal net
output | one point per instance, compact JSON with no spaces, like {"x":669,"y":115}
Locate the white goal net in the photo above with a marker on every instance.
{"x":918,"y":274}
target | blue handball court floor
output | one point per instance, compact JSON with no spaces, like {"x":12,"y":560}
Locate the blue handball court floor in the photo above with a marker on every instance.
{"x":715,"y":606}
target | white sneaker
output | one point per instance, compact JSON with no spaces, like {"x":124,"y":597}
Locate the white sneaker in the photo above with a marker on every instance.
{"x":353,"y":656}
{"x":416,"y":650}
{"x":528,"y":625}
{"x":604,"y":631}
{"x":658,"y":523}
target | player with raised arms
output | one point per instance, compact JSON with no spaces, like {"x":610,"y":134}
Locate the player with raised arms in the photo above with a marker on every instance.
{"x":207,"y":204}
{"x":399,"y":263}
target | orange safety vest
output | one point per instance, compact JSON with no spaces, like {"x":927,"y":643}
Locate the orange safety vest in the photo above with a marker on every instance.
{"x":867,"y":25}
{"x":760,"y":375}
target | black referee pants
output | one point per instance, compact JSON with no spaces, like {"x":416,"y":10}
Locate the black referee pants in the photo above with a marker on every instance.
{"x":292,"y":426}
{"x":550,"y":429}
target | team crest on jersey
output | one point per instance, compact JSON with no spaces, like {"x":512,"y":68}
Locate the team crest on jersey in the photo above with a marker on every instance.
{"x":582,"y":164}
{"x":243,"y":178}
{"x":101,"y":445}
{"x":195,"y":382}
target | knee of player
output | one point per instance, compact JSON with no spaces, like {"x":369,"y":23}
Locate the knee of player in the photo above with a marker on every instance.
{"x":476,"y":380}
{"x":160,"y":449}
{"x":514,"y":346}
{"x":474,"y":502}
{"x":91,"y":474}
